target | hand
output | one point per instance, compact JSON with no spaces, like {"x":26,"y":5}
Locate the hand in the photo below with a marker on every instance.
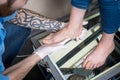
{"x":82,"y":35}
{"x":44,"y":50}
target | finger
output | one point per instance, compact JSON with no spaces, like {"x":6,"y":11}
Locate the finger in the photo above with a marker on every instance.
{"x":84,"y":31}
{"x":82,"y":35}
{"x":77,"y":39}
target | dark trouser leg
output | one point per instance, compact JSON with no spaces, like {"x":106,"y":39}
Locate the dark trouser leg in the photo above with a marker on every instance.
{"x":14,"y":40}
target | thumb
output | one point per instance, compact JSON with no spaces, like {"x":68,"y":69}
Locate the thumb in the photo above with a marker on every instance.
{"x":82,"y":35}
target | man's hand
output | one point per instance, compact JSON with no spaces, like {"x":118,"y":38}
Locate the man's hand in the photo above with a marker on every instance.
{"x":48,"y":49}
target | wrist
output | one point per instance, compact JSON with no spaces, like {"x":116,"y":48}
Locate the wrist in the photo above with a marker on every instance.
{"x":37,"y":57}
{"x":40,"y":54}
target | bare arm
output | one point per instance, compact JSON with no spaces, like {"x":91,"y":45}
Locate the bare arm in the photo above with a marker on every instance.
{"x":30,"y":19}
{"x":20,"y":70}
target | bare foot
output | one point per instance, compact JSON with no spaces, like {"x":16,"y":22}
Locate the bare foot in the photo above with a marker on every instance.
{"x":98,"y":57}
{"x":62,"y":35}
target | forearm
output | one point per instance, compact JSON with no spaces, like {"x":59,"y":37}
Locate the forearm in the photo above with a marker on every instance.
{"x":76,"y":18}
{"x":20,"y":70}
{"x":34,"y":20}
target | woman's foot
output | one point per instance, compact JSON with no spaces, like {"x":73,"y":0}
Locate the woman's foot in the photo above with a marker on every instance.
{"x":98,"y":57}
{"x":62,"y":35}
